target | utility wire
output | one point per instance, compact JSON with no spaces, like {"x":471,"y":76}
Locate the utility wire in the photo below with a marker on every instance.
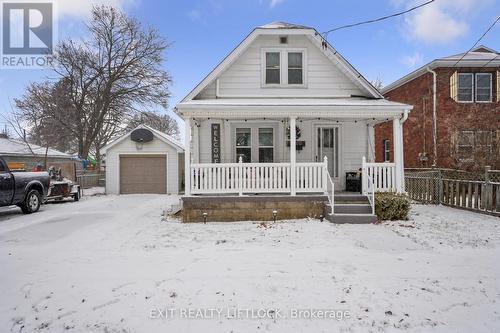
{"x":477,"y":42}
{"x":378,"y":19}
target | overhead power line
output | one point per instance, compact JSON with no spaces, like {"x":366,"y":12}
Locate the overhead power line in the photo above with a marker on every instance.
{"x":478,"y":41}
{"x":378,"y":19}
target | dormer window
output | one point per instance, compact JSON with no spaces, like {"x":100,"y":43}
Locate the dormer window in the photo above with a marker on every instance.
{"x":273,"y":68}
{"x":284,"y":67}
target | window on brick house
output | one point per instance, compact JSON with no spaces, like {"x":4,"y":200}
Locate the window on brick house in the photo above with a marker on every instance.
{"x":483,"y":87}
{"x":465,"y":87}
{"x":387,"y":150}
{"x":465,"y":145}
{"x":483,"y":140}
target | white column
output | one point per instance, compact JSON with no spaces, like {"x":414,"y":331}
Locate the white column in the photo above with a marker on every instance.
{"x":370,"y":149}
{"x":293,"y":152}
{"x":187,"y":156}
{"x":402,"y":164}
{"x":397,"y":148}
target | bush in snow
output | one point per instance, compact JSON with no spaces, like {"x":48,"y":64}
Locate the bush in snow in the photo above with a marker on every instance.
{"x":392,"y":206}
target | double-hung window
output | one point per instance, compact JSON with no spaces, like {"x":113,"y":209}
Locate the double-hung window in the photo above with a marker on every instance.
{"x":284,"y":67}
{"x":295,"y":68}
{"x":273,"y":68}
{"x":244,"y":144}
{"x":266,"y":145}
{"x":465,"y":87}
{"x":483,"y":87}
{"x":387,"y":151}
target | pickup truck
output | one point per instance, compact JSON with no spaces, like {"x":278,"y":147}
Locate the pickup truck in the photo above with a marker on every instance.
{"x":24,"y":189}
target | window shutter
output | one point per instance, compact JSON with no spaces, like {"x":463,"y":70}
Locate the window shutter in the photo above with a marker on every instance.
{"x":454,"y":86}
{"x":498,"y":86}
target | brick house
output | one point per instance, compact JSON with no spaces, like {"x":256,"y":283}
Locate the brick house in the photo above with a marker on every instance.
{"x":457,"y":125}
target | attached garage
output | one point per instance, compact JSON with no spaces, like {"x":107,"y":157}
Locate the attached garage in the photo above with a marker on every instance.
{"x":143,"y":161}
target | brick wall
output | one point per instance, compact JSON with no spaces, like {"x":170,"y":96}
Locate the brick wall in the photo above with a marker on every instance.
{"x":452,"y":117}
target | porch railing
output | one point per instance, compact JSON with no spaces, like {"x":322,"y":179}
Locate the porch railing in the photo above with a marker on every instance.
{"x":383,"y":176}
{"x":240,"y":178}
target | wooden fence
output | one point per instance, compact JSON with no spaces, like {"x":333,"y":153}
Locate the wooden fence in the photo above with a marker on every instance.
{"x":473,"y":191}
{"x":88,"y":179}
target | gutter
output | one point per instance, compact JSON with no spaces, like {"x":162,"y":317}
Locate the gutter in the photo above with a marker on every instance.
{"x":434,"y":115}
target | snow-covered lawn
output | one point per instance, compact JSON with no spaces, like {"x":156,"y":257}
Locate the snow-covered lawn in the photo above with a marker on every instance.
{"x":108,"y":263}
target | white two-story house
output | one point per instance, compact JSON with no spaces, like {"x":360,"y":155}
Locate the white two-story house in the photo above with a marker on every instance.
{"x":285,"y":114}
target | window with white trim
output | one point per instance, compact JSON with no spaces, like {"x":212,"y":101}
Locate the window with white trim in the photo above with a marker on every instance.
{"x":465,"y":87}
{"x":284,"y":67}
{"x":273,"y":68}
{"x":387,"y":151}
{"x":266,"y":145}
{"x":483,"y":87}
{"x":244,"y":144}
{"x":295,"y":68}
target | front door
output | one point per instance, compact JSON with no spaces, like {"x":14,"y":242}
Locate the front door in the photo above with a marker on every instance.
{"x":327,"y":144}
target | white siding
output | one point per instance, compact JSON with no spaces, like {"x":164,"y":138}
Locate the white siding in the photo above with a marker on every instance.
{"x":128,"y":147}
{"x":208,"y":93}
{"x":244,"y":77}
{"x":353,"y":142}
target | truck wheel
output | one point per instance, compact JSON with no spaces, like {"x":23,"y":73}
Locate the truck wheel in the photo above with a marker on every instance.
{"x":32,"y":202}
{"x":76,"y":196}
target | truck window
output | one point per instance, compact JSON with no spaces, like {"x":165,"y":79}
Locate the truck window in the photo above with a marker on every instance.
{"x":3,"y":169}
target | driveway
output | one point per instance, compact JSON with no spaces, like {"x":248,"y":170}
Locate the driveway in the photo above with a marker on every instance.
{"x":114,"y":264}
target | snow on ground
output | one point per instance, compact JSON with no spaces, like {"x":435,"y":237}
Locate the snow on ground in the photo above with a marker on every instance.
{"x":108,"y":263}
{"x":98,"y":190}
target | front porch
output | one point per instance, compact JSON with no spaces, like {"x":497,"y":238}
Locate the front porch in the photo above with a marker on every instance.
{"x":301,"y":153}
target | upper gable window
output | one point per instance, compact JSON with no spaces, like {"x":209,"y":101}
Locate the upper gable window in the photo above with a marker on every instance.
{"x":483,"y":87}
{"x":283,"y":67}
{"x":465,"y":87}
{"x":295,"y":70}
{"x":273,"y":70}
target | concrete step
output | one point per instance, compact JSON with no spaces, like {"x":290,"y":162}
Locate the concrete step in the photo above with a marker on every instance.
{"x":363,"y":208}
{"x":351,"y":218}
{"x":350,"y":198}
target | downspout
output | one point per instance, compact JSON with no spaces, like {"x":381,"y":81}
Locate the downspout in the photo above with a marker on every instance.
{"x":434,"y":120}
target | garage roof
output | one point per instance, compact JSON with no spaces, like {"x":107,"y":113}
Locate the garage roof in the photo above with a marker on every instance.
{"x":160,"y":135}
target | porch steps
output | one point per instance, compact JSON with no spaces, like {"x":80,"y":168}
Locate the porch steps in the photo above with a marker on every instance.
{"x":352,"y":209}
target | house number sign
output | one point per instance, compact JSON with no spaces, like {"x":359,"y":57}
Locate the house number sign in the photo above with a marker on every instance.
{"x":215,"y":143}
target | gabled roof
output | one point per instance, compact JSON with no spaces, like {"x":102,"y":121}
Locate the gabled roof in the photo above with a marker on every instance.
{"x":283,"y":25}
{"x":276,"y":28}
{"x":481,"y":56}
{"x":160,"y":135}
{"x":12,"y":147}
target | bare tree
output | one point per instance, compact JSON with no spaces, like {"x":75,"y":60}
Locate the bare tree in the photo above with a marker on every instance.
{"x":101,"y":81}
{"x":377,"y":83}
{"x":161,"y":122}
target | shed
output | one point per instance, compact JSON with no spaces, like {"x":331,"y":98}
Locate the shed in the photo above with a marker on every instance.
{"x":143,"y":160}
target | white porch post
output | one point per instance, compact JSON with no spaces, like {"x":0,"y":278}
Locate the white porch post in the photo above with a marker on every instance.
{"x":187,"y":156}
{"x":293,"y":157}
{"x":398,"y":153}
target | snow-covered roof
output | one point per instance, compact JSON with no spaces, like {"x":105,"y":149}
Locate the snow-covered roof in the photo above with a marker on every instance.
{"x":283,"y":25}
{"x":11,"y":147}
{"x":299,"y":102}
{"x":160,"y":135}
{"x":481,"y":56}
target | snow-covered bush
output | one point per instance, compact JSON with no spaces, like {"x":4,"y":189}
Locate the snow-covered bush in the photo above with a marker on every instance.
{"x":392,"y":206}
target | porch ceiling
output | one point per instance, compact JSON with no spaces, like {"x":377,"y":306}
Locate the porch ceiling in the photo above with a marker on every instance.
{"x":301,"y":108}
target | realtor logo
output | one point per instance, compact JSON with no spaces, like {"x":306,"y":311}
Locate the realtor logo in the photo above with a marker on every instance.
{"x":28,"y":30}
